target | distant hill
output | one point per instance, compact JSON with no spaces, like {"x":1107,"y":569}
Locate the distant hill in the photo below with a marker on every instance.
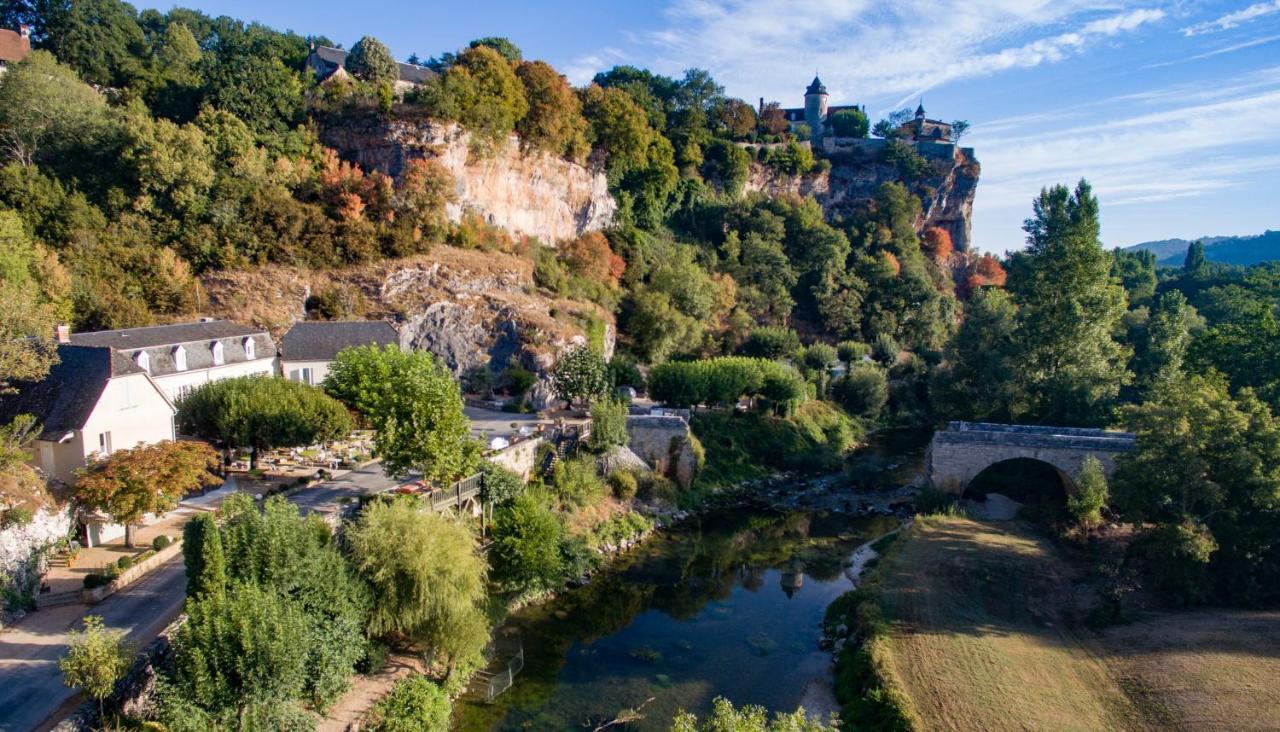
{"x":1228,"y":249}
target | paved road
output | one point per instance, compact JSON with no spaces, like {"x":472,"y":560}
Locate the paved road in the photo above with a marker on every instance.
{"x":31,"y":685}
{"x":31,"y":688}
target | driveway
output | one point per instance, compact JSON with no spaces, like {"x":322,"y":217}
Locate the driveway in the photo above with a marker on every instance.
{"x":31,"y":688}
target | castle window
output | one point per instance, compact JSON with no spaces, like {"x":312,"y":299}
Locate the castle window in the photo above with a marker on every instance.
{"x":180,"y":358}
{"x":218,"y":357}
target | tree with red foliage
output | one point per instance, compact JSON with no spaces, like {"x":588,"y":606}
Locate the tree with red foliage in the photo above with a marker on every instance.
{"x":773,"y":119}
{"x":937,"y":242}
{"x":591,"y":257}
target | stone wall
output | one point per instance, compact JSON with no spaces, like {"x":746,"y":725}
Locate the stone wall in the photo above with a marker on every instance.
{"x":520,"y":458}
{"x":667,"y":444}
{"x":958,"y":454}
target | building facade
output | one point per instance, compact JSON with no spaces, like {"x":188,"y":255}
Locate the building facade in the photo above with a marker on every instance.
{"x":182,"y":356}
{"x":310,"y":347}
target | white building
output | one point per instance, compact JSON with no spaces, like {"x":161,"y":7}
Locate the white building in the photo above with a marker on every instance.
{"x":308,"y":349}
{"x":182,"y":356}
{"x":93,"y":401}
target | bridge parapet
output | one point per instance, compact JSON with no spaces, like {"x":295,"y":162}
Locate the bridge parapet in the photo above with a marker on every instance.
{"x":964,"y":449}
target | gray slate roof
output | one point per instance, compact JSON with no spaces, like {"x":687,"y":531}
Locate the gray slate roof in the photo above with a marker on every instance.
{"x":66,"y":397}
{"x":196,"y":339}
{"x":321,"y":340}
{"x":327,"y":59}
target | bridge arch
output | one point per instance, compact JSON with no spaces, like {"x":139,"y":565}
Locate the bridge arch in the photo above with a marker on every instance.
{"x":962,"y":451}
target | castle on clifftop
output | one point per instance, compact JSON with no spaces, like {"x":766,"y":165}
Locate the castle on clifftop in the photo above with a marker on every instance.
{"x":817,"y":113}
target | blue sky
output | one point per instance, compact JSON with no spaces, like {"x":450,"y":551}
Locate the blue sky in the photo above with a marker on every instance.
{"x":1170,"y":108}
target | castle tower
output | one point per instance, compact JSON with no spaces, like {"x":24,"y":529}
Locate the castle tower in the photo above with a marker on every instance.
{"x":815,"y":106}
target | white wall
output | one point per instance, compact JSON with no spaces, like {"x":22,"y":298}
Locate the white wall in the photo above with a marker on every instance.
{"x":291,"y":370}
{"x":174,"y":384}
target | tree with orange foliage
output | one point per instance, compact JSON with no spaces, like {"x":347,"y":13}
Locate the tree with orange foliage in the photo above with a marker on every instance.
{"x":130,"y":483}
{"x":773,"y":119}
{"x":590,"y":256}
{"x":424,"y":189}
{"x":937,"y":242}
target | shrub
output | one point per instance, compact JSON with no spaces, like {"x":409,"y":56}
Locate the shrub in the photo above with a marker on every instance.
{"x":656,"y":487}
{"x":1085,"y":504}
{"x":577,"y":482}
{"x":623,"y":371}
{"x":624,"y":485}
{"x":94,"y":579}
{"x":885,"y":349}
{"x":608,"y":424}
{"x":500,"y":485}
{"x":527,"y":538}
{"x":19,"y":516}
{"x":771,"y":342}
{"x":160,"y":542}
{"x":124,"y":562}
{"x":1179,"y":561}
{"x":820,"y":356}
{"x":415,"y":704}
{"x":850,"y":351}
{"x":862,"y":392}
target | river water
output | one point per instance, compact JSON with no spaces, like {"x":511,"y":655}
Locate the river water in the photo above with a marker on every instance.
{"x":726,"y":604}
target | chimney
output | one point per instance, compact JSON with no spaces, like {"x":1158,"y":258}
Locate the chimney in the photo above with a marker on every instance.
{"x":63,"y":333}
{"x":24,"y":30}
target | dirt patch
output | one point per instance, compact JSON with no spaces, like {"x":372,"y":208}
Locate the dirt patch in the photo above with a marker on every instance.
{"x":365,"y":691}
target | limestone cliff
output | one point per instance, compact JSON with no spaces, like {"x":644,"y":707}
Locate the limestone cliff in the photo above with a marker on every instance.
{"x":528,"y":193}
{"x":469,"y":307}
{"x":946,"y":191}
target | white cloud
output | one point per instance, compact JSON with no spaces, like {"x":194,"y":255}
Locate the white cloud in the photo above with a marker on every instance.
{"x":1234,"y":19}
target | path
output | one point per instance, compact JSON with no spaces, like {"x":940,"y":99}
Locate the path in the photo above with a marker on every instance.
{"x":31,"y":688}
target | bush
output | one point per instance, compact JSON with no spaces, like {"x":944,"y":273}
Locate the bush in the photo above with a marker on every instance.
{"x":608,"y":424}
{"x":851,"y":351}
{"x":160,"y":542}
{"x":124,"y":562}
{"x":862,"y":392}
{"x":500,"y":485}
{"x":885,"y":349}
{"x":577,"y":482}
{"x":1085,"y":504}
{"x":771,"y":342}
{"x":1179,"y":561}
{"x":527,"y":539}
{"x":820,"y":356}
{"x":655,"y":487}
{"x":623,"y":371}
{"x":95,"y":579}
{"x":19,"y":516}
{"x":415,"y":704}
{"x":624,"y":485}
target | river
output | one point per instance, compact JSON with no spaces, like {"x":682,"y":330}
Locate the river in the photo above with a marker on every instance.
{"x":725,"y":604}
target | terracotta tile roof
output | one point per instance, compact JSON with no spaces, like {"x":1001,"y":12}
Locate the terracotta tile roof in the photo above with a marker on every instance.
{"x":13,"y":47}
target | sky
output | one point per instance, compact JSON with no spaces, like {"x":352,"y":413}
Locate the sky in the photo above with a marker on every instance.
{"x":1170,"y":108}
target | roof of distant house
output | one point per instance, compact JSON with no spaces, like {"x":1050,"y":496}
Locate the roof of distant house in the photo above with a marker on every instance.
{"x":164,"y":335}
{"x":13,"y":46}
{"x":65,"y":398}
{"x":321,"y":340}
{"x":337,"y":57}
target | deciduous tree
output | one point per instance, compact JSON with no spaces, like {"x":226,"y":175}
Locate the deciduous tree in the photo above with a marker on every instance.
{"x":96,"y":660}
{"x":371,"y":61}
{"x":580,"y":375}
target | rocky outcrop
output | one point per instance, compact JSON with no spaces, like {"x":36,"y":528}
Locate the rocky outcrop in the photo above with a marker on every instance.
{"x":946,"y":191}
{"x":523,"y":192}
{"x":469,"y":307}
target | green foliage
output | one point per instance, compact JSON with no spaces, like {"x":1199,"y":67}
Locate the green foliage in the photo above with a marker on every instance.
{"x":1206,"y":471}
{"x":851,"y":351}
{"x":910,"y":164}
{"x":427,"y":580}
{"x":1180,"y":557}
{"x":577,"y":482}
{"x":850,"y":123}
{"x":1090,"y":496}
{"x":500,"y":485}
{"x":624,"y":484}
{"x":242,"y":649}
{"x":750,"y":718}
{"x":203,"y":556}
{"x":527,"y":540}
{"x":554,"y":122}
{"x":371,"y":61}
{"x":488,"y":97}
{"x":261,"y":413}
{"x":723,"y":381}
{"x":608,"y":424}
{"x":96,"y":659}
{"x":580,"y":375}
{"x":863,"y":392}
{"x":977,"y":379}
{"x":744,"y":446}
{"x":415,"y":704}
{"x":790,"y":159}
{"x":771,"y":342}
{"x":414,"y":403}
{"x":885,"y":349}
{"x":820,"y":356}
{"x":727,"y":165}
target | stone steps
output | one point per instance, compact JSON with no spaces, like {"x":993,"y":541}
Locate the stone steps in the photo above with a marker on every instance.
{"x":57,"y":599}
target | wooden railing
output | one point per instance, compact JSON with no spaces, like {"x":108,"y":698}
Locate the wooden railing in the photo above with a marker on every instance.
{"x":456,"y":495}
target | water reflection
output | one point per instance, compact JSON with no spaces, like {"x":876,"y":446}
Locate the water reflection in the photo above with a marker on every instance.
{"x":727,"y":605}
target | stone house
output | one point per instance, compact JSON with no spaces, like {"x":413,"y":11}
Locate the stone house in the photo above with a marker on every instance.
{"x":816,"y":112}
{"x":327,"y":62}
{"x":922,"y":129}
{"x":182,"y":356}
{"x":310,"y":347}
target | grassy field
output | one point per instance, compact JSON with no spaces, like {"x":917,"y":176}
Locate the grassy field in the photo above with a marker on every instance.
{"x":978,"y":640}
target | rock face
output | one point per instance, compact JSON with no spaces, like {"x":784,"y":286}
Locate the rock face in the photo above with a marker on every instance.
{"x":946,"y":192}
{"x":531,"y":193}
{"x":468,"y":307}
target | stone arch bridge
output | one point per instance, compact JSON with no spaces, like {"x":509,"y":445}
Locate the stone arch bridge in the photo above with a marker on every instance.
{"x":960,"y":452}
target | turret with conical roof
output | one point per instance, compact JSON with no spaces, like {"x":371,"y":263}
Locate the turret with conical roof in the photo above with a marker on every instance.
{"x":815,"y":106}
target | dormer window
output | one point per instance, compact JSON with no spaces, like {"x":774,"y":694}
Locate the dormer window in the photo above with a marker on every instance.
{"x":180,"y":358}
{"x":250,"y":350}
{"x":143,"y":359}
{"x":218,"y":357}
